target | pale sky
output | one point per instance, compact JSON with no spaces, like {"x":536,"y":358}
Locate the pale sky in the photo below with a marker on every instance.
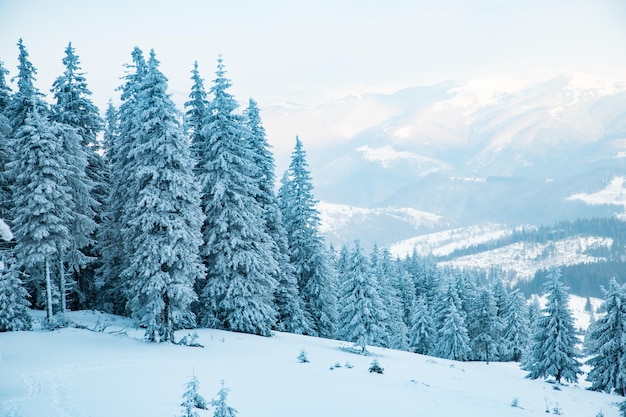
{"x":309,"y":51}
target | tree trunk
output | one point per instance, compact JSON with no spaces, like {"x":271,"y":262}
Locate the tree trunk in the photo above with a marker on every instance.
{"x":62,"y":282}
{"x":48,"y":290}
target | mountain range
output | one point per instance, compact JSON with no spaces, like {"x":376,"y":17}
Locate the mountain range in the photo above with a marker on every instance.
{"x":388,"y":167}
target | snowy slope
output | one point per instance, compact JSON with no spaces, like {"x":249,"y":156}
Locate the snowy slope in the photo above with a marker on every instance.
{"x":77,"y":372}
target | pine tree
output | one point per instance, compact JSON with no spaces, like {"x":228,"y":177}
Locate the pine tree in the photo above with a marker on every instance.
{"x":608,"y":364}
{"x":74,"y":108}
{"x":43,"y":200}
{"x":241,"y":270}
{"x":307,"y":251}
{"x":516,"y":328}
{"x":222,"y":409}
{"x":553,"y":350}
{"x":162,"y":231}
{"x":118,"y":142}
{"x":289,"y":305}
{"x":361,"y":317}
{"x":423,"y":333}
{"x":485,"y":328}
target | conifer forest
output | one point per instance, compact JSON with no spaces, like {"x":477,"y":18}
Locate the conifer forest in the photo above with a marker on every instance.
{"x":176,"y":218}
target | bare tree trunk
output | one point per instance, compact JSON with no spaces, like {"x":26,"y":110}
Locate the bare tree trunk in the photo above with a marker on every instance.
{"x":48,"y":289}
{"x":62,"y":281}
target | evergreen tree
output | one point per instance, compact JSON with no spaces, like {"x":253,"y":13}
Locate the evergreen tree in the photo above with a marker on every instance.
{"x":553,"y":350}
{"x":394,"y":330}
{"x":14,"y":315}
{"x":289,"y":305}
{"x":307,"y":251}
{"x":608,"y":364}
{"x":195,"y":114}
{"x":162,"y":233}
{"x":192,"y":399}
{"x":222,"y":409}
{"x":74,"y":108}
{"x":423,"y":333}
{"x":5,"y":148}
{"x":27,"y":98}
{"x":361,"y":317}
{"x":516,"y":328}
{"x":485,"y":327}
{"x":241,"y":270}
{"x":119,"y":141}
{"x":453,"y":341}
{"x":43,"y":200}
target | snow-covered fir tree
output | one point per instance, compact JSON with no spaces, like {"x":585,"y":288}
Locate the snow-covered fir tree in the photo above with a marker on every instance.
{"x":361,"y":315}
{"x":118,"y":144}
{"x":162,"y":233}
{"x":14,"y":304}
{"x":43,"y":199}
{"x":423,"y":332}
{"x":241,"y":269}
{"x":27,"y":97}
{"x":553,"y":349}
{"x":195,"y":113}
{"x":307,"y":251}
{"x":74,"y":108}
{"x":452,"y":341}
{"x":222,"y":409}
{"x":5,"y":148}
{"x":289,"y":305}
{"x":516,"y":328}
{"x":608,"y":363}
{"x":192,"y":399}
{"x":394,"y":332}
{"x":485,"y":327}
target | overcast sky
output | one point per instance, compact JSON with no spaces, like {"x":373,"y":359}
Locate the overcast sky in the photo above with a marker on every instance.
{"x":310,"y":51}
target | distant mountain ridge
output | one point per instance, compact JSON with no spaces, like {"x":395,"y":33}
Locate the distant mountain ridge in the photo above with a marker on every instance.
{"x":495,"y":151}
{"x":469,"y":161}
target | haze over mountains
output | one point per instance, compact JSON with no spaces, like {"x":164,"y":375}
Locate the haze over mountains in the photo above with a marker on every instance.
{"x":431,"y":158}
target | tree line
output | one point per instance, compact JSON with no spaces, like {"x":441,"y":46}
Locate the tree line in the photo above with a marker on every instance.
{"x":172,"y":218}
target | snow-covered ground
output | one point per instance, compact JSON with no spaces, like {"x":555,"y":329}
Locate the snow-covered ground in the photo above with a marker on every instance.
{"x":77,"y":372}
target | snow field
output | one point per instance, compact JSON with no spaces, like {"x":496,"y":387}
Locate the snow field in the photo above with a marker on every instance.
{"x":76,"y":372}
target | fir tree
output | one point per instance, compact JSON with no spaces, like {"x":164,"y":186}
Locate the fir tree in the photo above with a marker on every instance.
{"x":43,"y":200}
{"x":27,"y":98}
{"x":608,"y":364}
{"x":74,"y":108}
{"x":192,"y":399}
{"x":361,"y":316}
{"x":453,"y":341}
{"x":307,"y":251}
{"x":394,"y":330}
{"x":14,"y":315}
{"x":291,"y":315}
{"x":162,"y":233}
{"x":553,"y":349}
{"x":119,"y":141}
{"x":516,"y":328}
{"x":195,"y":114}
{"x":222,"y":409}
{"x":241,"y":270}
{"x":423,"y":333}
{"x":485,"y":327}
{"x":5,"y":149}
